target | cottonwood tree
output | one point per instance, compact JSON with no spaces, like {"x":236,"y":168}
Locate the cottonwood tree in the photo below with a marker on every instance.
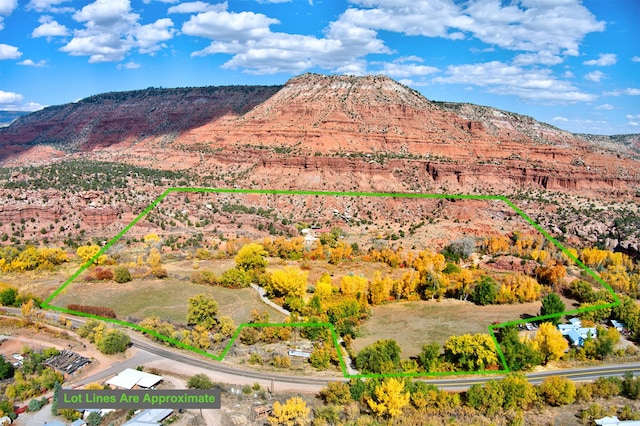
{"x":293,"y":412}
{"x":471,"y":352}
{"x":550,"y":342}
{"x":552,"y":304}
{"x":202,"y":310}
{"x":288,"y":282}
{"x":251,"y":258}
{"x":558,"y":390}
{"x":389,"y":398}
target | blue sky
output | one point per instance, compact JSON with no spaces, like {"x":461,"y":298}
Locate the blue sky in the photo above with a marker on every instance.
{"x":574,"y":64}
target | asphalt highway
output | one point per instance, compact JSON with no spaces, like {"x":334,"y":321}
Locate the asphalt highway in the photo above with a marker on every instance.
{"x":454,"y":383}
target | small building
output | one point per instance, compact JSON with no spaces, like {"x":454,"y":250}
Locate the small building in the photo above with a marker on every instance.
{"x":299,"y":353}
{"x":614,"y":421}
{"x":575,"y":333}
{"x":618,"y":325}
{"x":130,"y":378}
{"x":150,"y":417}
{"x":67,"y":362}
{"x":79,"y":422}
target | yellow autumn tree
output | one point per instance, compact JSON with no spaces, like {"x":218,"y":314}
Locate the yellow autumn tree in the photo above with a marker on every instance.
{"x":550,"y":342}
{"x":86,"y":253}
{"x":151,"y":238}
{"x":407,"y":285}
{"x":390,"y":398}
{"x":427,"y":262}
{"x":294,"y":412}
{"x":594,"y":257}
{"x":496,"y":245}
{"x":155,"y":258}
{"x":380,"y":288}
{"x":324,"y":289}
{"x":339,"y":252}
{"x":353,"y":284}
{"x":93,"y":386}
{"x":288,"y":282}
{"x":519,"y":288}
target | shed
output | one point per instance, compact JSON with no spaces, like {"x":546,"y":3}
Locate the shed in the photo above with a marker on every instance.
{"x":574,"y":337}
{"x":129,"y":378}
{"x":149,"y":417}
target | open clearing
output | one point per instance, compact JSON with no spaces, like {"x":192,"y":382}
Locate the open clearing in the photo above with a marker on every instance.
{"x":413,"y":324}
{"x":166,"y":298}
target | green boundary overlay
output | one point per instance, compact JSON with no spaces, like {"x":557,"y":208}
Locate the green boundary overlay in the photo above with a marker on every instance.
{"x":47,"y":303}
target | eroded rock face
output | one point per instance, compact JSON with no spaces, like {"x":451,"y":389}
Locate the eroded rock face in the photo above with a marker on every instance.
{"x":328,"y":132}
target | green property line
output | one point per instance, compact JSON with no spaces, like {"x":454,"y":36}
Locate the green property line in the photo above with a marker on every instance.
{"x":505,"y":368}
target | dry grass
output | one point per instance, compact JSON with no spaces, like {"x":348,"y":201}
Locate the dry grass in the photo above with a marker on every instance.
{"x":166,"y":298}
{"x":413,"y":324}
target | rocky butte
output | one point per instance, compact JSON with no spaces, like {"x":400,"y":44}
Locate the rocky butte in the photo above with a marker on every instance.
{"x":317,"y":132}
{"x":328,"y":132}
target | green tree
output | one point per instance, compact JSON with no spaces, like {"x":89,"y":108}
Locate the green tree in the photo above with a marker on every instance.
{"x":235,"y":278}
{"x":6,"y":369}
{"x":8,"y":296}
{"x":202,"y":310}
{"x":382,"y":356}
{"x":485,"y":291}
{"x":113,"y":341}
{"x":518,"y":392}
{"x":429,"y":356}
{"x":488,"y":399}
{"x":54,"y":399}
{"x":471,"y":352}
{"x":200,"y":381}
{"x":519,"y":355}
{"x":94,"y":418}
{"x":552,"y":304}
{"x":121,"y":275}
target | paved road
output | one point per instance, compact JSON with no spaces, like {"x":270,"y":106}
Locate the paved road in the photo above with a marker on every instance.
{"x":306,"y":383}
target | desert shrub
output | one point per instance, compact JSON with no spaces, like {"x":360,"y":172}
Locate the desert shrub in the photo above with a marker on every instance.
{"x":102,"y":311}
{"x":122,"y":275}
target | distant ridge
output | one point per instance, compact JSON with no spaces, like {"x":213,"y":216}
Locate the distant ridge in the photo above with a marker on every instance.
{"x":317,"y":123}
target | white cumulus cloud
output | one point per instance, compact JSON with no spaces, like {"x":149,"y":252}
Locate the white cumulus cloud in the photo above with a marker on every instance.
{"x":9,"y":98}
{"x":49,"y":28}
{"x":604,"y":60}
{"x":508,"y":79}
{"x":595,"y":76}
{"x":9,"y":52}
{"x":552,"y":27}
{"x":247,"y":36}
{"x":111,"y":30}
{"x":131,"y":65}
{"x":6,"y":8}
{"x":49,"y":6}
{"x":604,"y":107}
{"x":30,"y":63}
{"x":198,"y":7}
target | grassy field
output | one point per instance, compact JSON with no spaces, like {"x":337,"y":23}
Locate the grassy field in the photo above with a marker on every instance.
{"x":166,"y":298}
{"x":413,"y":324}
